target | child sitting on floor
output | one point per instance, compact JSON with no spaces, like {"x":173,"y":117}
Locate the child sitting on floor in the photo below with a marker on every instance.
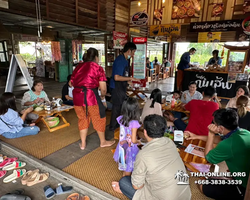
{"x":177,"y":96}
{"x":127,"y":148}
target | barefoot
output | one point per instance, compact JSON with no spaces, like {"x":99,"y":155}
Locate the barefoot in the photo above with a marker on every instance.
{"x":82,"y":146}
{"x":116,"y":187}
{"x":107,"y":143}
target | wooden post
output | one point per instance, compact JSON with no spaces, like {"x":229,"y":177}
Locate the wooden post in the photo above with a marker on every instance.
{"x":76,"y":7}
{"x":98,"y":13}
{"x":47,"y":9}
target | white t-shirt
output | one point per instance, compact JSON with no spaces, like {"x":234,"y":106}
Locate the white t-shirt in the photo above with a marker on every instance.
{"x":71,"y":91}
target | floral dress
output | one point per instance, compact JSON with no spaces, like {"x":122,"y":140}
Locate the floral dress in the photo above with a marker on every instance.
{"x":126,"y":151}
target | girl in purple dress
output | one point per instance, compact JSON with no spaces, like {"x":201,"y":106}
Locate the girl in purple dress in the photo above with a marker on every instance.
{"x":127,"y":149}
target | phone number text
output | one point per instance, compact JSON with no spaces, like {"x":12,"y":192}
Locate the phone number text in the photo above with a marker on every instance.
{"x":218,"y":182}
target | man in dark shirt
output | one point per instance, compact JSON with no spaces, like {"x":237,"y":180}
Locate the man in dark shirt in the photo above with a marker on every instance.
{"x":119,"y":82}
{"x":184,"y":64}
{"x":67,"y":95}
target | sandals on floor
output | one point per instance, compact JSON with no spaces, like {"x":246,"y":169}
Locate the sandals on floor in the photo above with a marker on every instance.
{"x":39,"y":178}
{"x":7,"y":161}
{"x":16,"y":174}
{"x":2,"y":173}
{"x":74,"y":196}
{"x":28,"y":175}
{"x":63,"y":190}
{"x":2,"y":158}
{"x":14,"y":165}
{"x":49,"y":192}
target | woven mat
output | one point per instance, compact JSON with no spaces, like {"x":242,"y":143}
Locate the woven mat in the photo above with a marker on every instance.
{"x":46,"y":143}
{"x":98,"y":169}
{"x":106,"y":171}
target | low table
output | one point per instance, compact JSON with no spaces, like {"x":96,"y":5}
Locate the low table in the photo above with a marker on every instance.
{"x":56,"y":112}
{"x":136,"y":91}
{"x":168,"y":107}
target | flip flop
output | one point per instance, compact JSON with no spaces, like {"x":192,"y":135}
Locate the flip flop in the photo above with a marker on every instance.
{"x":28,"y":175}
{"x":84,"y":198}
{"x":38,"y":179}
{"x":7,"y":161}
{"x":49,"y":192}
{"x":14,"y":165}
{"x":74,"y":196}
{"x":16,"y":174}
{"x":63,"y":190}
{"x":2,"y":173}
{"x":2,"y":158}
{"x":15,"y":197}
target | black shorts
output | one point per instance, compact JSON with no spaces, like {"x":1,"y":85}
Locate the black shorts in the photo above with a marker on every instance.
{"x":224,"y":192}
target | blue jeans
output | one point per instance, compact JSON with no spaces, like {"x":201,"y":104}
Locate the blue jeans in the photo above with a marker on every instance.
{"x":30,"y":130}
{"x":69,"y":102}
{"x":126,"y":187}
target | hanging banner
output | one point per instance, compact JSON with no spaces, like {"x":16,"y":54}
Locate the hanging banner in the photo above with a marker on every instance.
{"x":207,"y":37}
{"x":119,"y":39}
{"x":140,"y":18}
{"x":158,"y":14}
{"x":216,"y":26}
{"x":165,"y":30}
{"x":186,"y":9}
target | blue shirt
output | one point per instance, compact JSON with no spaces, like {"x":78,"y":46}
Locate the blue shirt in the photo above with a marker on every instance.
{"x":184,"y":62}
{"x":10,"y":122}
{"x":213,"y":61}
{"x":118,"y":69}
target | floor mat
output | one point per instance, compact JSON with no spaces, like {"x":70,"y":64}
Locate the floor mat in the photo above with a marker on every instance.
{"x":45,"y":143}
{"x":106,"y":171}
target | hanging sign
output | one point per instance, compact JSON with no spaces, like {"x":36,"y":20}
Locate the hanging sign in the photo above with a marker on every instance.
{"x":209,"y":37}
{"x":218,"y":9}
{"x":246,"y":6}
{"x":140,"y":18}
{"x":244,"y":33}
{"x":158,"y":14}
{"x":119,"y":39}
{"x":215,"y":26}
{"x":165,"y":30}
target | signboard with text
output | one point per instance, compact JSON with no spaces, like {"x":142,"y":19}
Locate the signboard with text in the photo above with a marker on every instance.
{"x":216,"y":26}
{"x":140,"y":19}
{"x":119,"y":39}
{"x":165,"y":30}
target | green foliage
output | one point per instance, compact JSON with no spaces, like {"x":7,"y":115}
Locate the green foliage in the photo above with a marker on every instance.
{"x":203,"y":53}
{"x":28,"y":57}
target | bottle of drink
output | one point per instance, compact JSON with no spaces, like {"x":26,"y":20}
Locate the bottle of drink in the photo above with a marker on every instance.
{"x":172,"y":103}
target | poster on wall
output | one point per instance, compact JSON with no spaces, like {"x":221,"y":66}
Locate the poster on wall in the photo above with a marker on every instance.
{"x":140,"y":18}
{"x":207,"y":37}
{"x":119,"y":39}
{"x":242,"y":77}
{"x":244,"y":33}
{"x":158,"y":14}
{"x":218,"y":9}
{"x":165,"y":30}
{"x":4,"y":4}
{"x":186,"y":9}
{"x":231,"y":78}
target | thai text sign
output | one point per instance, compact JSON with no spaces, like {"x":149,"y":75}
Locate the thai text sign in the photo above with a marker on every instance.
{"x":215,"y":26}
{"x":165,"y":30}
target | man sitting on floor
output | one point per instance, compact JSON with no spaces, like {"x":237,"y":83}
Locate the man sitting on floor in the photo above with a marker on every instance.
{"x":155,"y":167}
{"x":67,"y":95}
{"x":234,"y":149}
{"x":201,"y":115}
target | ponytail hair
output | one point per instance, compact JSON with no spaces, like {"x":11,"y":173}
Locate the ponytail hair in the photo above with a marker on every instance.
{"x":241,"y":105}
{"x":156,"y":96}
{"x":90,"y":55}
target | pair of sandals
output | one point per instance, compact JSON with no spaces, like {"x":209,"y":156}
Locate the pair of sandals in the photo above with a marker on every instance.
{"x":76,"y":196}
{"x":15,"y":195}
{"x":50,"y":193}
{"x":31,"y":178}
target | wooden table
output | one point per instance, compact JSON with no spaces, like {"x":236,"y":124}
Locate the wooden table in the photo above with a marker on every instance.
{"x":135,"y":92}
{"x":56,"y":112}
{"x":168,"y":107}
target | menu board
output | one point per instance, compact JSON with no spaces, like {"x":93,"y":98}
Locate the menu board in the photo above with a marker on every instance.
{"x":140,"y":62}
{"x":186,"y":9}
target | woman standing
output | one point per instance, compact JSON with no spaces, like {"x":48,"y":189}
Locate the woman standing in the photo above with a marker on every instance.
{"x":86,"y":79}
